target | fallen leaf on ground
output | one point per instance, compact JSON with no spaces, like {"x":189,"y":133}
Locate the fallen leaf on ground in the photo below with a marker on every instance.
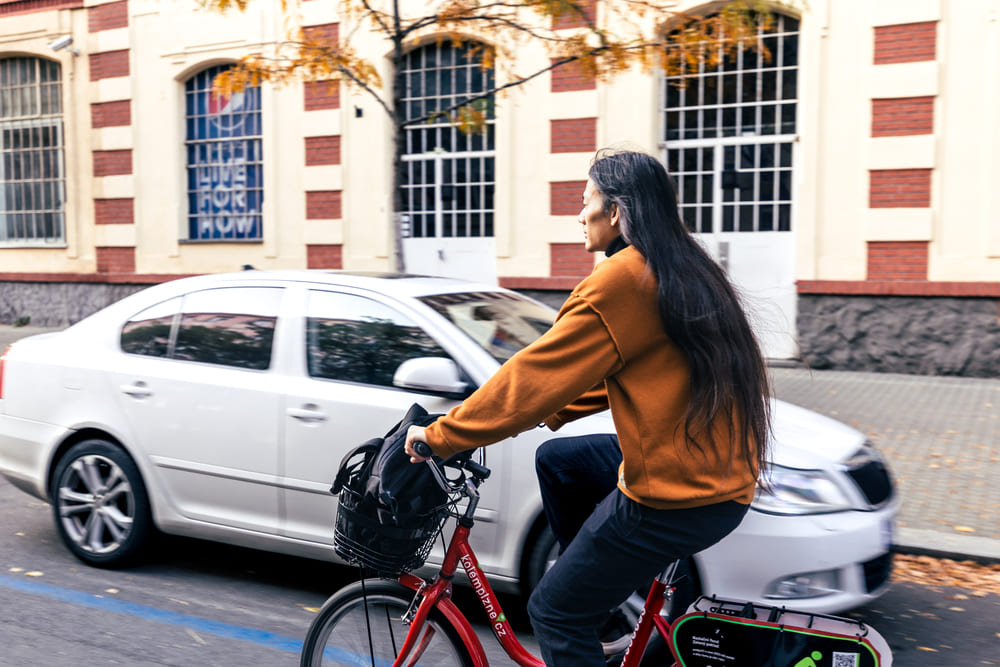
{"x":978,"y":579}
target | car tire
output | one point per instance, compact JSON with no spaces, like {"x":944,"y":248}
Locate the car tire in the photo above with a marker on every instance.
{"x":100,"y":505}
{"x":543,"y":553}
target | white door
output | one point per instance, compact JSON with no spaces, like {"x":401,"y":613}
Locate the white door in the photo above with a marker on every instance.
{"x":449,"y":174}
{"x":743,"y":215}
{"x":453,"y":233}
{"x":731,"y":149}
{"x":200,"y":399}
{"x":352,"y":345}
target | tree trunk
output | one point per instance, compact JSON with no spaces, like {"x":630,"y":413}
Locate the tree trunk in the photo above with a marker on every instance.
{"x":399,"y":223}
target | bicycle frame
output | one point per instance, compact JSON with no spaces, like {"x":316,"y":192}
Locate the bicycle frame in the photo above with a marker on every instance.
{"x":438,"y":594}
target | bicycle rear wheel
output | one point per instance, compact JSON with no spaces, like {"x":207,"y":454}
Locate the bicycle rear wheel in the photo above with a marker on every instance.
{"x":364,"y":627}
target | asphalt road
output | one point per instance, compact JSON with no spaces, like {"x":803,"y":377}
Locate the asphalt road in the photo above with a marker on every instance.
{"x":198,"y":603}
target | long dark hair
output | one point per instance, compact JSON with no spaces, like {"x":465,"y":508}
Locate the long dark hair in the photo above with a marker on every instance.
{"x":699,"y":308}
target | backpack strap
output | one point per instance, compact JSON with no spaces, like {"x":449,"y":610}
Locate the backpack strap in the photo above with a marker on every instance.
{"x":346,"y":469}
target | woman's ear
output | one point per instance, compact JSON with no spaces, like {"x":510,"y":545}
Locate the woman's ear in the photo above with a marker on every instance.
{"x":615,"y":215}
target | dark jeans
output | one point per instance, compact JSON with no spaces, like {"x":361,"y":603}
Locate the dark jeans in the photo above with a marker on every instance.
{"x":618,"y":546}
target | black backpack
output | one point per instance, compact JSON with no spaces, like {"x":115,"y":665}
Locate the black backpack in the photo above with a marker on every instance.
{"x":389,"y":508}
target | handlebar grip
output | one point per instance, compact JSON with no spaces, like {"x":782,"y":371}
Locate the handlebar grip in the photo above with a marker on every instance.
{"x":480,"y":471}
{"x":423,"y":449}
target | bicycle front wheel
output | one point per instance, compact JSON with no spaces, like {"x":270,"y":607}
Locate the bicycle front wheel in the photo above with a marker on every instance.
{"x":363,"y":627}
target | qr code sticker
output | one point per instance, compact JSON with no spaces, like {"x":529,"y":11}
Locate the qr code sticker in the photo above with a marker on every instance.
{"x":845,"y":659}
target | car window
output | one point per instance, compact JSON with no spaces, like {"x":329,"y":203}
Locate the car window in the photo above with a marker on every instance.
{"x":148,"y":332}
{"x":357,"y":339}
{"x":499,"y":322}
{"x":231,"y":326}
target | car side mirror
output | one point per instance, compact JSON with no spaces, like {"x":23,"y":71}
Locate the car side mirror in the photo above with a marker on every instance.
{"x":432,"y":375}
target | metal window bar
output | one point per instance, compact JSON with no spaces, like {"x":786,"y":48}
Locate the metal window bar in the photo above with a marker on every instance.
{"x":449,"y":183}
{"x":746,"y":107}
{"x":742,"y":95}
{"x":32,"y":167}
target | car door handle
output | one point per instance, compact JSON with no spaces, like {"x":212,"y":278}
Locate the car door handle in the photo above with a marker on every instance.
{"x":307,"y":413}
{"x":137,"y":390}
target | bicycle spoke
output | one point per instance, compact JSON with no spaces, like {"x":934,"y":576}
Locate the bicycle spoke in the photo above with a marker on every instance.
{"x":367,"y":629}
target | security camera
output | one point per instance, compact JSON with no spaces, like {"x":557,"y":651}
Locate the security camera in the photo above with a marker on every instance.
{"x":61,"y":43}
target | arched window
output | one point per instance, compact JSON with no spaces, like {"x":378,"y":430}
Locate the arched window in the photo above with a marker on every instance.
{"x":729,"y":134}
{"x":225,"y":172}
{"x":450,"y":176}
{"x":32,"y":168}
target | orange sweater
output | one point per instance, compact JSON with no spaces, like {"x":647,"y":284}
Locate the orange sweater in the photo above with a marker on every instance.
{"x":607,"y":348}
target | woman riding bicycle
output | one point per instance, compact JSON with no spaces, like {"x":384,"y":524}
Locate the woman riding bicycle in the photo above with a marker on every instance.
{"x":657,"y":334}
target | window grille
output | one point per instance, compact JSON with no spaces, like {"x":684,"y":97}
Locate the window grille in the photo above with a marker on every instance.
{"x":32,"y":168}
{"x":225,"y":170}
{"x":730,"y":132}
{"x":449,"y":175}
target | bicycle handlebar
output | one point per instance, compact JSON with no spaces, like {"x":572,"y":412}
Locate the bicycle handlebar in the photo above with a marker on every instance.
{"x":478,"y":471}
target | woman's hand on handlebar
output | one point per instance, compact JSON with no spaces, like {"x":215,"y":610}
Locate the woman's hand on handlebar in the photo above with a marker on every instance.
{"x":414,"y":435}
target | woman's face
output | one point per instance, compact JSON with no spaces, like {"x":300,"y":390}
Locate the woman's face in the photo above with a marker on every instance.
{"x":599,"y":228}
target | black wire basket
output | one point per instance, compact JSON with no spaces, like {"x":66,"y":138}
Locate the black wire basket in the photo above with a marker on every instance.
{"x":367,"y":536}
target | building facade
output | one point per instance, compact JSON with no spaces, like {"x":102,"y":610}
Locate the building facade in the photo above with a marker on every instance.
{"x":847,"y":181}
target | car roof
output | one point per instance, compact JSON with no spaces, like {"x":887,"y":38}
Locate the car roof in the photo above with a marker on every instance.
{"x":397,"y":284}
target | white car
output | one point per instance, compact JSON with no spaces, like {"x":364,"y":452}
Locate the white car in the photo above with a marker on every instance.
{"x":220,"y":407}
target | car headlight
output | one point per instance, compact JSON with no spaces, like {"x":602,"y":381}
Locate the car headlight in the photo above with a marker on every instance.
{"x":793,"y":491}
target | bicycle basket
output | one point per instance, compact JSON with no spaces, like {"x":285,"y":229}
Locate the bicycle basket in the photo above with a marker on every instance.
{"x":361,"y":538}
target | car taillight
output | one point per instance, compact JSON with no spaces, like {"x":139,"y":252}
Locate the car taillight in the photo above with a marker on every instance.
{"x":2,"y":358}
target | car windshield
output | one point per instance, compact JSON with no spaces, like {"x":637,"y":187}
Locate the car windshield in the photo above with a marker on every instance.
{"x":500,"y":322}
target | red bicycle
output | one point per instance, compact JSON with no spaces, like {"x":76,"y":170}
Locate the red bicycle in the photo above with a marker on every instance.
{"x":410,"y":621}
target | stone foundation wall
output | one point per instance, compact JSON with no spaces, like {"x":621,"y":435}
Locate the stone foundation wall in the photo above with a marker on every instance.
{"x":918,"y":335}
{"x":57,"y":304}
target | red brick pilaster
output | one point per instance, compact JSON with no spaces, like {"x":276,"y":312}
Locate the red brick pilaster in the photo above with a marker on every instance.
{"x":108,"y":65}
{"x":115,"y":260}
{"x":576,"y":15}
{"x":570,"y":260}
{"x":571,"y":76}
{"x":113,"y":163}
{"x":897,"y":260}
{"x":905,"y":43}
{"x":108,"y":16}
{"x":902,"y":116}
{"x":327,"y":256}
{"x":322,"y":150}
{"x":574,"y":135}
{"x":899,"y":188}
{"x":321,"y":95}
{"x":111,"y":114}
{"x":114,"y":211}
{"x":566,"y":197}
{"x":323,"y":205}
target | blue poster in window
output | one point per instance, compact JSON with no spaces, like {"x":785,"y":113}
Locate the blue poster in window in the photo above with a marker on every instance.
{"x":224,"y":161}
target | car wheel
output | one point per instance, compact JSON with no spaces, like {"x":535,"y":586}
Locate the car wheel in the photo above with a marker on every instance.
{"x":544,"y":551}
{"x":100,"y":504}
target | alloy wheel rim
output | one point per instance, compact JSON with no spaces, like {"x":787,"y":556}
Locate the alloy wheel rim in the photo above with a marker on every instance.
{"x":96,"y":504}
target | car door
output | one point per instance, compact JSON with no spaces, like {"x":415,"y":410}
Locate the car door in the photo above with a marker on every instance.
{"x":344,"y":396}
{"x":196,"y":389}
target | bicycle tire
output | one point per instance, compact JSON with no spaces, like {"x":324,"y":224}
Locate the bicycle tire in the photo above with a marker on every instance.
{"x":362,"y":625}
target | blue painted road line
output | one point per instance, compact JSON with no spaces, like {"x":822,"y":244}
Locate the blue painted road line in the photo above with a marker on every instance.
{"x":217,"y":628}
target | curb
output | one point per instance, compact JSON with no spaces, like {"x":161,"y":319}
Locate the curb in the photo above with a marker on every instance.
{"x":922,"y":542}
